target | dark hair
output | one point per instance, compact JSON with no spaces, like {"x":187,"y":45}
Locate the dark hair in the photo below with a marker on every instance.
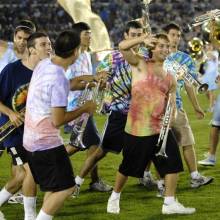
{"x":132,"y":24}
{"x":25,"y":25}
{"x":33,"y":37}
{"x":81,"y":26}
{"x":170,"y":26}
{"x":66,"y":43}
{"x":162,"y":36}
{"x":159,"y":36}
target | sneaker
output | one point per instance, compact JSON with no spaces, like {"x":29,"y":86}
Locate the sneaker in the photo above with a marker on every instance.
{"x":207,"y":162}
{"x":113,"y":206}
{"x":148,"y":181}
{"x":201,"y":181}
{"x":100,"y":186}
{"x":17,"y":198}
{"x":177,"y":208}
{"x":2,"y":217}
{"x":76,"y":191}
{"x":160,"y":192}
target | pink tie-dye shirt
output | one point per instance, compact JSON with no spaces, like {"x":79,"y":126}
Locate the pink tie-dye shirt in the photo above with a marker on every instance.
{"x":48,"y":88}
{"x":148,"y":102}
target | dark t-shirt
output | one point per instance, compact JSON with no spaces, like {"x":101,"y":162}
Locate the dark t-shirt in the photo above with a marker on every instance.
{"x":14,"y":80}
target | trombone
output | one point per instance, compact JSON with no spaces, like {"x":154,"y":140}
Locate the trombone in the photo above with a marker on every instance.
{"x":208,"y":16}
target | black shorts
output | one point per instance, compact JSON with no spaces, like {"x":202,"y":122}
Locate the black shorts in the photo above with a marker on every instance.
{"x":138,"y":151}
{"x":113,"y":139}
{"x":18,"y":155}
{"x":51,"y":169}
{"x":91,"y":134}
{"x":2,"y":148}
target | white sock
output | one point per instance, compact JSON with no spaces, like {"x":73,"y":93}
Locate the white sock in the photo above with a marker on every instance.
{"x":160,"y":183}
{"x":4,"y":196}
{"x":194,"y":174}
{"x":43,"y":216}
{"x":169,"y":200}
{"x":29,"y":206}
{"x":79,"y":181}
{"x":115,"y":195}
{"x":147,"y":173}
{"x":212,"y":156}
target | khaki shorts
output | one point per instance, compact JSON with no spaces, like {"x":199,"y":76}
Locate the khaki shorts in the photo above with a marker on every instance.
{"x":182,"y":126}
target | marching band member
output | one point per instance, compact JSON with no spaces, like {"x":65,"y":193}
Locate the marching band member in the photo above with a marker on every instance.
{"x":14,"y":81}
{"x":83,"y":68}
{"x":181,"y":124}
{"x":45,"y":113}
{"x":150,"y":88}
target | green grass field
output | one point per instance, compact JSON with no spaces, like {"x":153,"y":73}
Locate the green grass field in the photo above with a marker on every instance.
{"x":137,"y":203}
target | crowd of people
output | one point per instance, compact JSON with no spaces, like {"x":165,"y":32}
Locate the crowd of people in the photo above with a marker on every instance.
{"x":113,"y":13}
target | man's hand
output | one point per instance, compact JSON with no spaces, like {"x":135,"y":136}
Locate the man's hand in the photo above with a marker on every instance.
{"x":89,"y":107}
{"x":16,"y":118}
{"x":199,"y":113}
{"x":150,"y":40}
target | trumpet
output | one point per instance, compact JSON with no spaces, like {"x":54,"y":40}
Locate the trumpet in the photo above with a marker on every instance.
{"x":162,"y":140}
{"x":208,"y":16}
{"x":76,"y":138}
{"x":8,"y":127}
{"x":182,"y":72}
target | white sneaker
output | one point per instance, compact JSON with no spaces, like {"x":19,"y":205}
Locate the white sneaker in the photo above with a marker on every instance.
{"x":207,"y":162}
{"x":201,"y":181}
{"x":76,"y":191}
{"x":2,"y":217}
{"x":177,"y":208}
{"x":113,"y":206}
{"x":17,"y":198}
{"x":148,"y":181}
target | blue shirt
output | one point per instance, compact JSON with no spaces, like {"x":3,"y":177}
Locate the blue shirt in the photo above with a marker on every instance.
{"x":14,"y":80}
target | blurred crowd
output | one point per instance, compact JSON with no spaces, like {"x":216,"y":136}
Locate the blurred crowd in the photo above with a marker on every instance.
{"x":52,"y":18}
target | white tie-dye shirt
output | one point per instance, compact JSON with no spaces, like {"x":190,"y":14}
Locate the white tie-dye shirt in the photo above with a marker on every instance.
{"x":48,"y":88}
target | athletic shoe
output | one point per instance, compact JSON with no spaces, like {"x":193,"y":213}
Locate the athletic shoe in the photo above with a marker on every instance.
{"x":148,"y":181}
{"x":113,"y":206}
{"x":17,"y":198}
{"x":160,"y":192}
{"x":201,"y":181}
{"x":100,"y":186}
{"x":2,"y":217}
{"x":76,"y":191}
{"x":207,"y":162}
{"x":177,"y":208}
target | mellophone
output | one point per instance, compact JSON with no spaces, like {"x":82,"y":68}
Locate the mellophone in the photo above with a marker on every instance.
{"x":102,"y":97}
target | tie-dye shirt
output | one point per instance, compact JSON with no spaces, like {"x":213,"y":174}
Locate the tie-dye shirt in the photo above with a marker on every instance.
{"x":183,"y":59}
{"x":48,"y":88}
{"x":120,"y":78}
{"x":148,"y":102}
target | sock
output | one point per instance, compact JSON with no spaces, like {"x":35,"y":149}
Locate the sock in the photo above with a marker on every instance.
{"x":4,"y":196}
{"x":211,"y":156}
{"x":43,"y":216}
{"x":147,"y":173}
{"x":115,"y":195}
{"x":29,"y":206}
{"x":79,"y":181}
{"x":169,"y":200}
{"x":195,"y":174}
{"x":160,"y":183}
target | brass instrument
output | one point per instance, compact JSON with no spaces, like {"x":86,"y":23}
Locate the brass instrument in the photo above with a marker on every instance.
{"x":208,"y":16}
{"x":8,"y":127}
{"x":76,"y":138}
{"x":195,"y":48}
{"x":182,"y":72}
{"x":162,"y":140}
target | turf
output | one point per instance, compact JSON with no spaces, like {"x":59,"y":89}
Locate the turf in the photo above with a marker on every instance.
{"x":137,"y":202}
